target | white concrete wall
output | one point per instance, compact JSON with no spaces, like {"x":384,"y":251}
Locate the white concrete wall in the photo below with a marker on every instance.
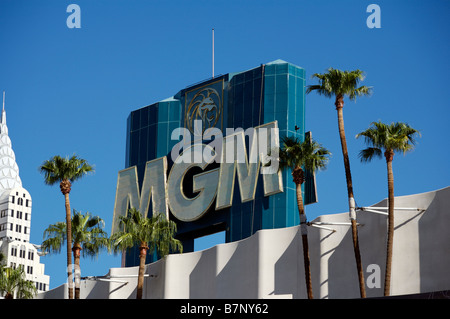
{"x":269,"y":264}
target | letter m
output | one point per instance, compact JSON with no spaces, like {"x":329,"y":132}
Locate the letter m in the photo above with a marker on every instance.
{"x":128,"y":194}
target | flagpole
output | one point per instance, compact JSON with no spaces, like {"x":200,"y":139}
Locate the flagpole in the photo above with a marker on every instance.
{"x":213,"y":52}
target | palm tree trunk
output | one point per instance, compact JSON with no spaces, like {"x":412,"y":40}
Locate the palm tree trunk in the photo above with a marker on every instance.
{"x":69,"y":245}
{"x":298,"y":179}
{"x":352,"y":210}
{"x":142,"y":256}
{"x":76,"y":256}
{"x":390,"y":236}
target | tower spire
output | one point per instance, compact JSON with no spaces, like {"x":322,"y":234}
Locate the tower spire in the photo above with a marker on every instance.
{"x":3,"y":117}
{"x":9,"y":171}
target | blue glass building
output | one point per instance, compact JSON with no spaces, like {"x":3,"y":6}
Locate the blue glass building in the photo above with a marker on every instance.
{"x":271,"y":92}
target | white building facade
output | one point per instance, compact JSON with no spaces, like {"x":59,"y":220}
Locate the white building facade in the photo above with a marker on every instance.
{"x":15,"y":216}
{"x":269,"y":264}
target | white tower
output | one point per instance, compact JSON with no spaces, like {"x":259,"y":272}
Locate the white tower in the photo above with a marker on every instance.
{"x":15,"y":215}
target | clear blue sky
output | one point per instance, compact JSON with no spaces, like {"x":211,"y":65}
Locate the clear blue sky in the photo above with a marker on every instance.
{"x":70,"y":90}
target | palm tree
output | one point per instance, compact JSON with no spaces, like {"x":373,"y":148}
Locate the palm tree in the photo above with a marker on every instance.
{"x":311,"y":156}
{"x":12,"y":281}
{"x":339,"y":84}
{"x":88,"y":237}
{"x":65,"y":171}
{"x":395,"y":137}
{"x":149,"y":233}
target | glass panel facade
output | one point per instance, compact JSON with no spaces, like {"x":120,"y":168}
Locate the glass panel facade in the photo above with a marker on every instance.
{"x":270,"y":92}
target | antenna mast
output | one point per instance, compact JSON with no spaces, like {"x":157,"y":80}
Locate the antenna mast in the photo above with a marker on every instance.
{"x":213,"y":52}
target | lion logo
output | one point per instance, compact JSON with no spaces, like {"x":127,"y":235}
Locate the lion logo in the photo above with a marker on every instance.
{"x":204,"y":106}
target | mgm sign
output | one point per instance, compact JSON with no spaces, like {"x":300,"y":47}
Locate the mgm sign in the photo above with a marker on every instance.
{"x":188,"y":159}
{"x":163,"y":191}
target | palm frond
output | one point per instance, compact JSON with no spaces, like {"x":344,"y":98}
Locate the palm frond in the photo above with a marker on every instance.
{"x":308,"y":154}
{"x":13,"y":280}
{"x":336,"y":82}
{"x":397,"y":137}
{"x":156,"y":231}
{"x":54,"y":237}
{"x":366,"y":155}
{"x":58,"y":169}
{"x":87,"y":231}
